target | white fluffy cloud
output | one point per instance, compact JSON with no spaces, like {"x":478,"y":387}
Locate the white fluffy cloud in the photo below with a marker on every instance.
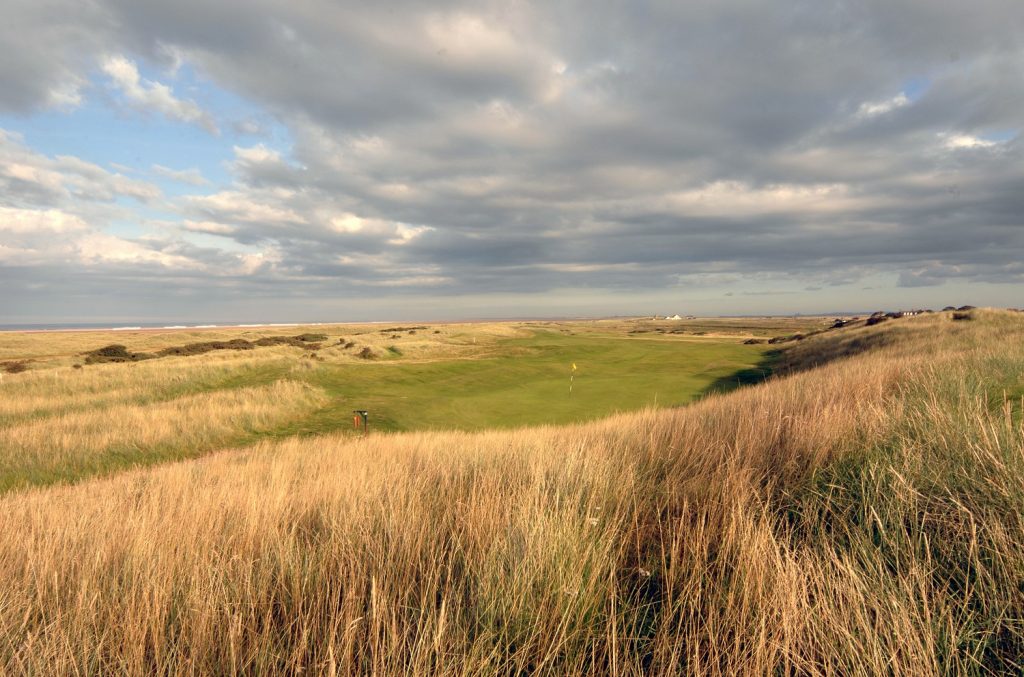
{"x":28,"y":177}
{"x":150,"y":95}
{"x":39,"y":221}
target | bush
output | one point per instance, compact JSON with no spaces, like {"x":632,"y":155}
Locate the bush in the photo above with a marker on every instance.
{"x":14,"y":366}
{"x":310,"y":338}
{"x":207,"y":346}
{"x":114,"y":353}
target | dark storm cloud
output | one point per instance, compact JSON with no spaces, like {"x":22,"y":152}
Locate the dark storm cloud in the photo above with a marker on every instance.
{"x":451,"y":147}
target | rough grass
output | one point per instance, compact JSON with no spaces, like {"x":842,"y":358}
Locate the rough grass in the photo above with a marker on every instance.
{"x":862,"y":516}
{"x":70,"y":445}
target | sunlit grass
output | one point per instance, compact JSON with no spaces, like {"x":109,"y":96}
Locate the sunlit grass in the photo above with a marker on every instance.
{"x":94,"y":441}
{"x":861,"y":517}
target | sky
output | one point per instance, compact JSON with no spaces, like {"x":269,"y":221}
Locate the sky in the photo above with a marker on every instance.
{"x":323,"y":160}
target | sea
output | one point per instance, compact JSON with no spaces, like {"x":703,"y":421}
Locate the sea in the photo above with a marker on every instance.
{"x":109,"y":326}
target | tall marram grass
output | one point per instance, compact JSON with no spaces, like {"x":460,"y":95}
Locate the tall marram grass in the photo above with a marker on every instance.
{"x":99,"y":440}
{"x":865,"y":516}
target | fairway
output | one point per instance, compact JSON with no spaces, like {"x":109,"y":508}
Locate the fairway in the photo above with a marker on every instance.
{"x":64,"y":418}
{"x":528,"y":382}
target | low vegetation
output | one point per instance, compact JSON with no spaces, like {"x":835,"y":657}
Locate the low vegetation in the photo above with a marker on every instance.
{"x":119,"y":353}
{"x":860,"y":513}
{"x":14,"y":366}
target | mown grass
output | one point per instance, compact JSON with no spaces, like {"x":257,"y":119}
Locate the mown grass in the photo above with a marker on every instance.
{"x":860,"y":516}
{"x":510,"y":377}
{"x":526,"y":382}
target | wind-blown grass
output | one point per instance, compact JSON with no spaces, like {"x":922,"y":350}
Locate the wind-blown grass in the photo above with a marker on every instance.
{"x":859,"y":517}
{"x":95,"y":441}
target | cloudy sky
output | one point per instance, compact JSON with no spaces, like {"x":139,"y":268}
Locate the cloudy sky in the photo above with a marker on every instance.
{"x":284,"y":160}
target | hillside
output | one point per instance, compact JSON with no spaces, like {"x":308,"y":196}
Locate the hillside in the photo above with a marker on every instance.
{"x":860,"y":513}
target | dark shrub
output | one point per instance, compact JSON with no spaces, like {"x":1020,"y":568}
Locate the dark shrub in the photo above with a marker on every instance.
{"x":207,"y":346}
{"x":394,"y":329}
{"x":14,"y":366}
{"x":115,"y":353}
{"x":300,"y":341}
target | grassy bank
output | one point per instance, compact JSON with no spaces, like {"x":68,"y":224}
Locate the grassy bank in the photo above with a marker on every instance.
{"x":861,"y":515}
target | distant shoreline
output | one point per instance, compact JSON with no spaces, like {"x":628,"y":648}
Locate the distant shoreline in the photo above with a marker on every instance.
{"x":151,"y":326}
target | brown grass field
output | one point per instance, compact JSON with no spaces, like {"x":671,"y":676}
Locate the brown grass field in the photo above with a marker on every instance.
{"x":861,"y":512}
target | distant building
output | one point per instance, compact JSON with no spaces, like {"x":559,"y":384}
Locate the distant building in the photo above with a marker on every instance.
{"x":673,"y":317}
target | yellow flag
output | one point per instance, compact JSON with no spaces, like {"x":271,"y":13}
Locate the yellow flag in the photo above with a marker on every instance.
{"x":574,"y":366}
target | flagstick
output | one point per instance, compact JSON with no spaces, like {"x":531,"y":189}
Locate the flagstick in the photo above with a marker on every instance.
{"x":571,"y":377}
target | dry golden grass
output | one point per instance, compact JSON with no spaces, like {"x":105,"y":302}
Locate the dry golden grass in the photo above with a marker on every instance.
{"x":71,"y":444}
{"x":861,"y":517}
{"x":43,"y":392}
{"x":64,"y":348}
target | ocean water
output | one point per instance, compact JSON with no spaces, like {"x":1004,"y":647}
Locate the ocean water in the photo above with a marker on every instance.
{"x":72,"y":326}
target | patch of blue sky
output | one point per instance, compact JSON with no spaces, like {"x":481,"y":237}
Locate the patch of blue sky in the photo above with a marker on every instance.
{"x":1000,"y":135}
{"x":914,"y":88}
{"x":109,"y":131}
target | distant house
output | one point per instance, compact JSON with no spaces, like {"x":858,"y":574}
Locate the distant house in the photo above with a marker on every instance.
{"x":673,"y":317}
